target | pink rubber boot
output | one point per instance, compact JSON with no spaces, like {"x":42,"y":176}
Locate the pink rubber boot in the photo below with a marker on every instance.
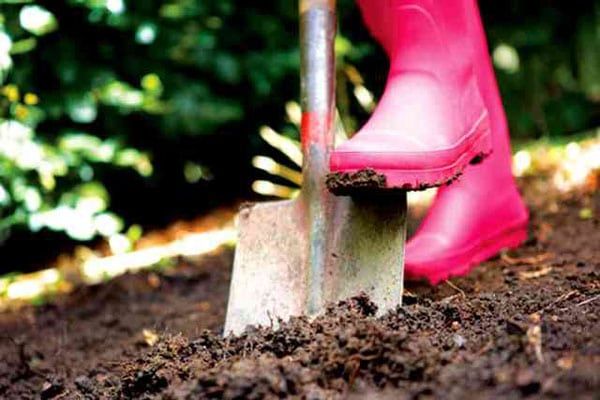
{"x":475,"y":218}
{"x":431,"y":121}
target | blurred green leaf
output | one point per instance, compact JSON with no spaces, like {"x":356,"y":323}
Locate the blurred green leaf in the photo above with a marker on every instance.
{"x":23,"y":46}
{"x":37,"y":20}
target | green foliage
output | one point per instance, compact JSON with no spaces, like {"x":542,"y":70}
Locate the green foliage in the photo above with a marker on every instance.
{"x":48,"y":180}
{"x":555,"y":87}
{"x":90,"y":86}
{"x":95,"y":66}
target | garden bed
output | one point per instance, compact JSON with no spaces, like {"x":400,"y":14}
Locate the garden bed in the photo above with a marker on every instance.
{"x":526,"y":324}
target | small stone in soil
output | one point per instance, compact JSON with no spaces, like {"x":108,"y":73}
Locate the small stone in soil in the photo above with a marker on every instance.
{"x":51,"y":389}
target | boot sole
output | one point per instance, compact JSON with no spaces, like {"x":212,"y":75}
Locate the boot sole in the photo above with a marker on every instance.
{"x":461,"y":264}
{"x":474,"y":149}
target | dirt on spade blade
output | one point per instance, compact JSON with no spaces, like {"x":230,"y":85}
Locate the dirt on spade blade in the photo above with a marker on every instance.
{"x":524,"y":325}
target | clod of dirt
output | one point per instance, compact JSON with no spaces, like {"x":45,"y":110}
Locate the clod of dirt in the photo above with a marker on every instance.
{"x":84,"y":384}
{"x":365,"y":180}
{"x":51,"y":389}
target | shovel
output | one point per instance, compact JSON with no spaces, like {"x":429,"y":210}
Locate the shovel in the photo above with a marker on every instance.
{"x":294,"y":257}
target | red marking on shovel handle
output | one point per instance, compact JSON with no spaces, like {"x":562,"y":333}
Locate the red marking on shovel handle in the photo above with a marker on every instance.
{"x":316,"y":130}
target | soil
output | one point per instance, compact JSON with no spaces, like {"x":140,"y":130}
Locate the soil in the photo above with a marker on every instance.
{"x":367,"y":181}
{"x":342,"y":183}
{"x":523,"y":325}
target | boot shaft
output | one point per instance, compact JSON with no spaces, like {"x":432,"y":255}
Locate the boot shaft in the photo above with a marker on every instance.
{"x":424,"y":35}
{"x":442,"y":36}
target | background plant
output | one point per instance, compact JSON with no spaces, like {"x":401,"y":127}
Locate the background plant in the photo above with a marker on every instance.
{"x":159,"y":102}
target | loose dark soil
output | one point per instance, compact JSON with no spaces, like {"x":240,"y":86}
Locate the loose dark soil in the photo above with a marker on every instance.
{"x":367,"y":181}
{"x":343,"y":183}
{"x":526,"y":324}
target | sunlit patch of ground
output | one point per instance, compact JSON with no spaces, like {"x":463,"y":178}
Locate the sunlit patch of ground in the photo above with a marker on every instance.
{"x":156,"y":249}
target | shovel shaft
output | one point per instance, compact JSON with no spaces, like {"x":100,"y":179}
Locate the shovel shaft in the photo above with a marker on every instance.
{"x":317,"y":35}
{"x":295,"y":256}
{"x":306,"y":4}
